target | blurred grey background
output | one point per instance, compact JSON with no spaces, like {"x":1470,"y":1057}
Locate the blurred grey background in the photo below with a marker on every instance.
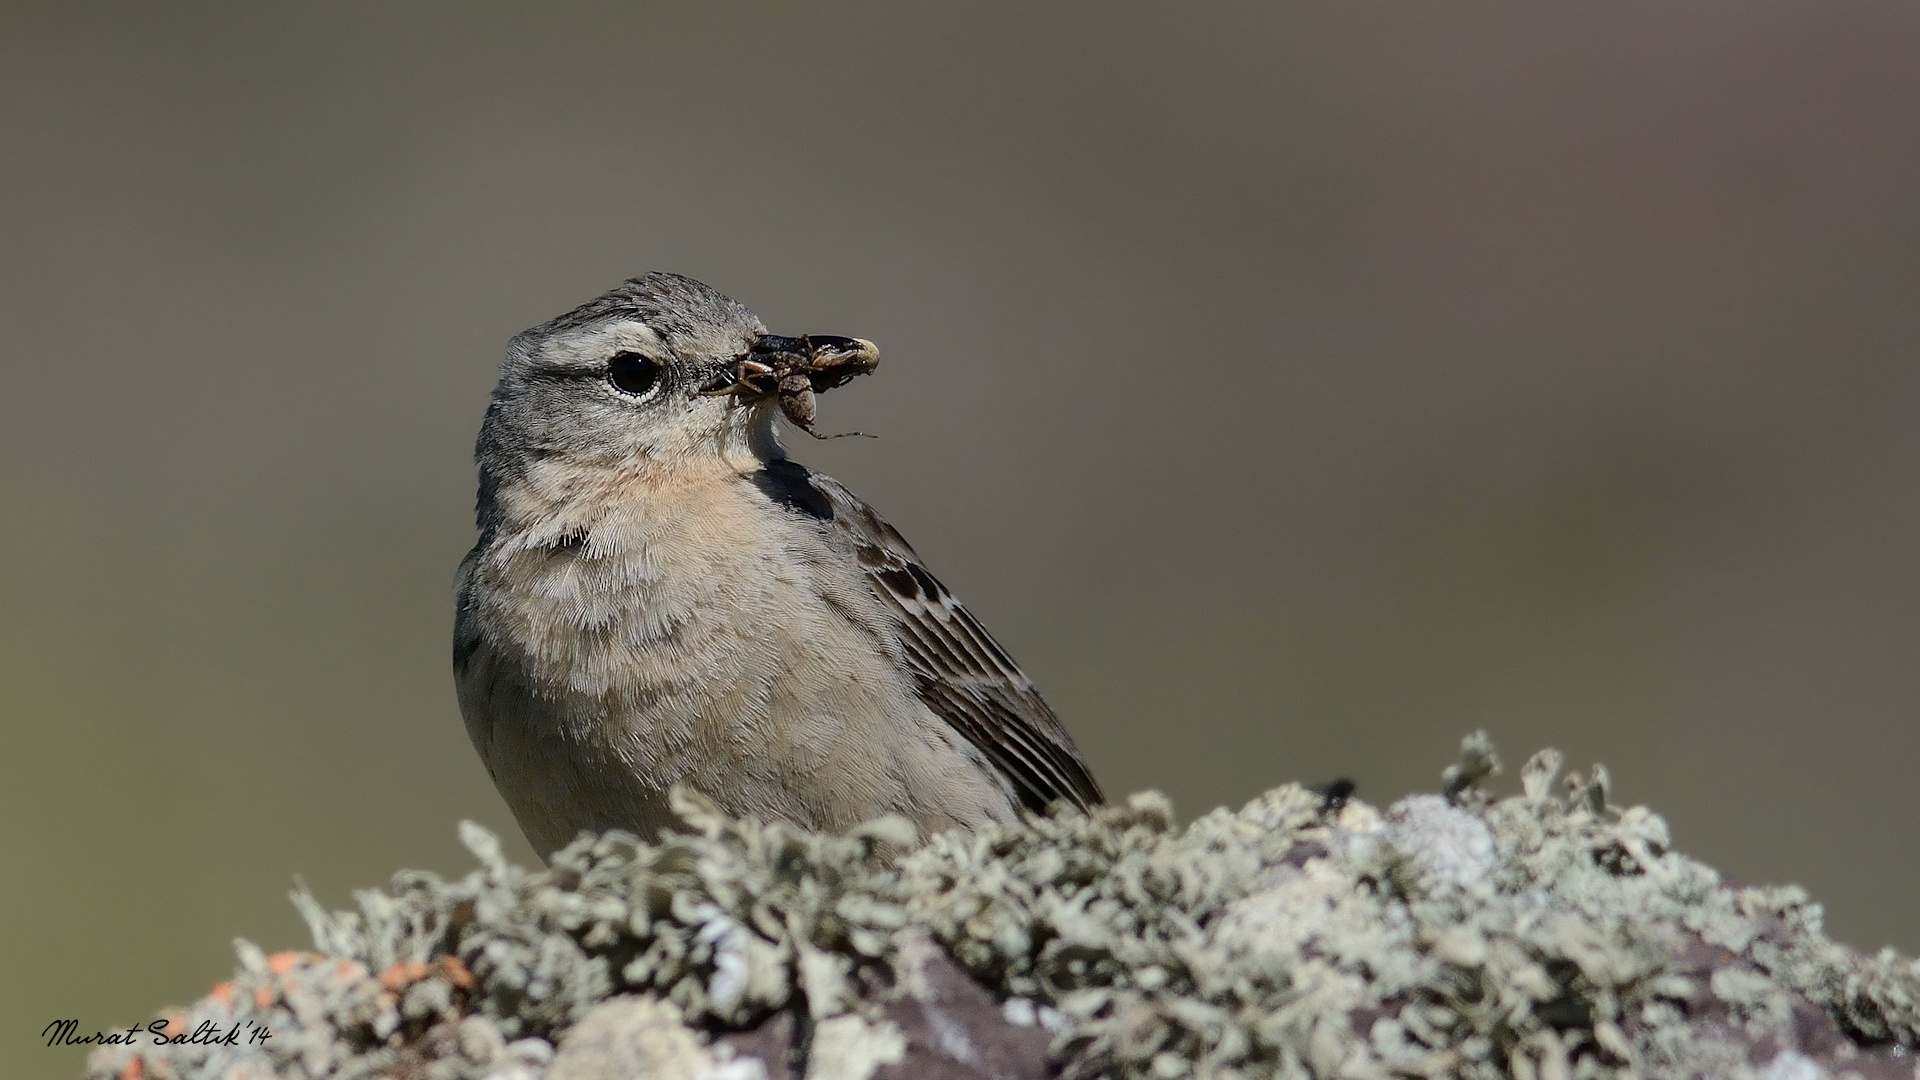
{"x":1293,"y":388}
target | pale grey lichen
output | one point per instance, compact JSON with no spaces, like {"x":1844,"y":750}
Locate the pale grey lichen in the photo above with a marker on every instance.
{"x":1543,"y":935}
{"x":628,"y":1037}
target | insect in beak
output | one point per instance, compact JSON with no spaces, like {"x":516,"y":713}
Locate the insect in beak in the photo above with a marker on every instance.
{"x":796,"y":370}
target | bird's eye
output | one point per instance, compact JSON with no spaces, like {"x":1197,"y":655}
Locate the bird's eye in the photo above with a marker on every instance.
{"x":631,"y":373}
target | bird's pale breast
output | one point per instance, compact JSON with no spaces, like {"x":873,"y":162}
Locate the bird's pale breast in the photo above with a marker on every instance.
{"x":703,"y":636}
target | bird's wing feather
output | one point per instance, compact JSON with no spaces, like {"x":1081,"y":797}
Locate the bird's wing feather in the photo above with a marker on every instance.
{"x":964,"y":675}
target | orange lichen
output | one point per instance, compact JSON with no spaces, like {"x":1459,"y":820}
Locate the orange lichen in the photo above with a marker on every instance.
{"x":282,"y":962}
{"x":455,"y":971}
{"x":403,"y":973}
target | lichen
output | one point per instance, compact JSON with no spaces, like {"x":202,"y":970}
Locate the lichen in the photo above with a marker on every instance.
{"x":1545,"y":934}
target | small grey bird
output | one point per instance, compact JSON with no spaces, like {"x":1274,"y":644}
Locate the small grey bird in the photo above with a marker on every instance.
{"x":660,"y":597}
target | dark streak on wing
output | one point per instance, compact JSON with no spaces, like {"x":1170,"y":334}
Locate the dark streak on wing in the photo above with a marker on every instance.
{"x":785,"y":482}
{"x":964,"y":675}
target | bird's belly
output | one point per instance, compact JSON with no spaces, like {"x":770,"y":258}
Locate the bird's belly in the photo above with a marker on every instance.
{"x":755,"y":692}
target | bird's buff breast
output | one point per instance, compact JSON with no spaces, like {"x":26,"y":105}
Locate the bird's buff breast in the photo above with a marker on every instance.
{"x":707,"y":644}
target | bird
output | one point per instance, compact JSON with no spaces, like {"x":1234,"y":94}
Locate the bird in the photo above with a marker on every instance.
{"x":660,"y":598}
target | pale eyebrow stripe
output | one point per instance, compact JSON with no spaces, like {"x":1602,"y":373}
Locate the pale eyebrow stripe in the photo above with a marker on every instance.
{"x":584,"y":353}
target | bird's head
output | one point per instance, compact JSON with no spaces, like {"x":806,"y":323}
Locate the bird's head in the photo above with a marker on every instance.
{"x":660,"y":375}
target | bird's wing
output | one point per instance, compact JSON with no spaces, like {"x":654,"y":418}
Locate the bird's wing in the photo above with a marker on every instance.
{"x":964,"y":675}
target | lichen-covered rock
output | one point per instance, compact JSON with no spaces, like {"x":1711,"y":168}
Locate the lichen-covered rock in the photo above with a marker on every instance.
{"x":1543,"y":935}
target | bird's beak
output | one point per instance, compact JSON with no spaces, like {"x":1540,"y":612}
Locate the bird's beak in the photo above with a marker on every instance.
{"x":827,"y":361}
